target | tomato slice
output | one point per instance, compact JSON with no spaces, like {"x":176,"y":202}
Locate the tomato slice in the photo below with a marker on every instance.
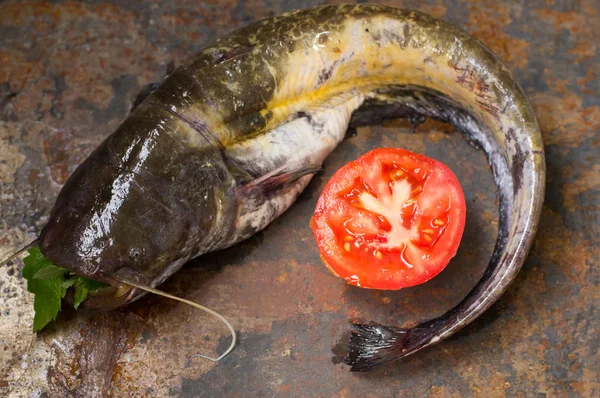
{"x":390,"y":219}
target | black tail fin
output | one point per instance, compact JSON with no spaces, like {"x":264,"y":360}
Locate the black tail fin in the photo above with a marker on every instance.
{"x":370,"y":346}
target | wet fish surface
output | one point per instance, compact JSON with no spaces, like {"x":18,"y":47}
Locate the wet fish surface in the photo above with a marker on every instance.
{"x":231,"y":138}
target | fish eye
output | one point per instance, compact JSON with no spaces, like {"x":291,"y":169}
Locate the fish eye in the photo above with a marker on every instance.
{"x":135,"y":254}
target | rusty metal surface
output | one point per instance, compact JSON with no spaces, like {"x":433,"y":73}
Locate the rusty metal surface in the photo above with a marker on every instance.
{"x":68,"y":74}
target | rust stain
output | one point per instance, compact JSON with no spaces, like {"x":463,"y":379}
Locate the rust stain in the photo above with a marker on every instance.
{"x":20,"y":14}
{"x":59,"y":148}
{"x":436,"y":131}
{"x":17,"y":71}
{"x":588,"y":179}
{"x":583,"y":50}
{"x":10,"y":156}
{"x":590,"y":77}
{"x":101,"y":95}
{"x":486,"y":23}
{"x":575,"y":22}
{"x":563,"y":118}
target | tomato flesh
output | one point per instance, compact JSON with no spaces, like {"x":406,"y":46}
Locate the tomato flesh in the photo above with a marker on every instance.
{"x":390,"y":219}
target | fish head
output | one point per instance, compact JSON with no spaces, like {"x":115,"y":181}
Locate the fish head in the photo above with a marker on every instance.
{"x":126,"y":215}
{"x":107,"y":221}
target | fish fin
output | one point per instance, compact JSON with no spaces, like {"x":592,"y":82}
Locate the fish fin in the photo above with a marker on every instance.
{"x":150,"y":87}
{"x":280,"y":178}
{"x":370,"y":346}
{"x":143,"y":94}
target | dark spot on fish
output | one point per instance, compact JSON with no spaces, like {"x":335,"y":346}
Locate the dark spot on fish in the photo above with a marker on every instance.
{"x":269,"y":115}
{"x":323,"y":38}
{"x":326,"y":74}
{"x":228,"y":56}
{"x":518,"y":160}
{"x":302,"y":114}
{"x":489,"y":108}
{"x":482,"y":86}
{"x":367,"y":30}
{"x":336,"y":50}
{"x":376,"y":37}
{"x":406,"y":31}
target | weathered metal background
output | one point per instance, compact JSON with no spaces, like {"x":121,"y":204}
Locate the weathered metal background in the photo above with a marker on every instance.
{"x":68,"y":73}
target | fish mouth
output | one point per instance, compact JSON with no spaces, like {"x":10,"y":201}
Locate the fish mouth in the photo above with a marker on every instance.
{"x":118,"y":293}
{"x":111,"y":297}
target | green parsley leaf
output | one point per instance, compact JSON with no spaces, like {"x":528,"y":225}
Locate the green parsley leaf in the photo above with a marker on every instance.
{"x":83,"y":287}
{"x":48,"y":292}
{"x":91,"y":285}
{"x":49,"y":284}
{"x":70,"y":282}
{"x":80,"y":294}
{"x":51,"y":271}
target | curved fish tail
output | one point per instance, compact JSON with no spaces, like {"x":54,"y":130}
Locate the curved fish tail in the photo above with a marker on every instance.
{"x":373,"y":345}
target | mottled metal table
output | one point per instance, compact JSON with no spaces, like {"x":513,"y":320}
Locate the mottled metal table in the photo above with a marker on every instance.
{"x":69,"y":72}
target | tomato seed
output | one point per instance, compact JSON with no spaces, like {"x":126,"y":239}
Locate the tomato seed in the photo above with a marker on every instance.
{"x":438,"y":222}
{"x":348,"y":238}
{"x":428,"y":231}
{"x":378,"y":254}
{"x":347,"y":246}
{"x":397,"y":175}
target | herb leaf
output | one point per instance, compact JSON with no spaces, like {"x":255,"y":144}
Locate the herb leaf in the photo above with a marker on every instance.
{"x":70,"y":282}
{"x":80,"y":294}
{"x":48,"y":292}
{"x":49,"y":285}
{"x":51,"y":271}
{"x":83,"y":287}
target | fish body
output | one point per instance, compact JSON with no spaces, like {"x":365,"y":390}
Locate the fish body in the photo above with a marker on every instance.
{"x":231,"y":138}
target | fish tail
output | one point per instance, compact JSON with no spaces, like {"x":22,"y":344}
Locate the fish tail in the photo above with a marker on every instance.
{"x":372,"y":345}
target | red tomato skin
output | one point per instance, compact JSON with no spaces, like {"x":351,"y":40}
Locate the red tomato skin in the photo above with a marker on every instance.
{"x":387,"y":272}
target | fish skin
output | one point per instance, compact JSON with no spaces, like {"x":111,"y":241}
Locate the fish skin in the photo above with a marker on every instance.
{"x":167,"y":180}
